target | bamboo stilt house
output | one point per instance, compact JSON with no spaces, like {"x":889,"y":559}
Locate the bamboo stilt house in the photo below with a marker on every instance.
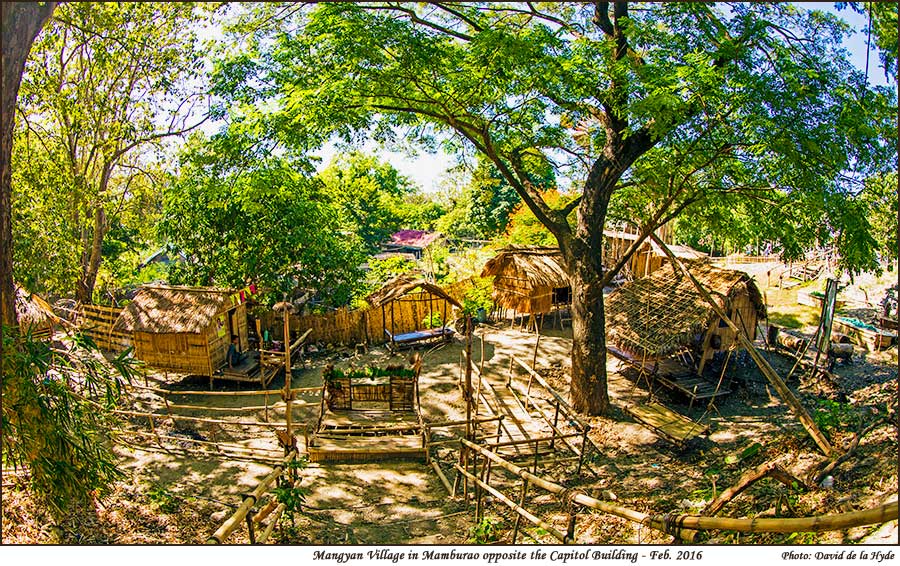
{"x":35,"y":315}
{"x":663,"y":314}
{"x":430,"y":317}
{"x":527,"y":278}
{"x":185,"y":329}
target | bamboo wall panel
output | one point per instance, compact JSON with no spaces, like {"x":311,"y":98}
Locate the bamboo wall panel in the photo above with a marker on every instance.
{"x":345,"y":326}
{"x":176,"y":352}
{"x":96,"y":321}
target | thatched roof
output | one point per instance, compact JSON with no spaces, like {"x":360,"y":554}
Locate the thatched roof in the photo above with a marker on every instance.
{"x":33,"y":311}
{"x":403,"y":284}
{"x":170,"y":310}
{"x":541,"y":267}
{"x":662,"y":313}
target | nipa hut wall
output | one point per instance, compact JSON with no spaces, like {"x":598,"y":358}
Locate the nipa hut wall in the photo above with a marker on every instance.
{"x":181,"y":352}
{"x":96,"y":321}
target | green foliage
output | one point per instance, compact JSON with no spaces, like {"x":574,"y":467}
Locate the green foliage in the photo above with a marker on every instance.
{"x":481,"y":209}
{"x":381,"y":270}
{"x":433,"y":320}
{"x":369,"y":195}
{"x":267,"y":223}
{"x":486,"y":531}
{"x":478,"y":296}
{"x":163,"y":499}
{"x":370,"y":372}
{"x":57,"y":416}
{"x":102,"y":90}
{"x":835,"y":416}
{"x":524,"y":228}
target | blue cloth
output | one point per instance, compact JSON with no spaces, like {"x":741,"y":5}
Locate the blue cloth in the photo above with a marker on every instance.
{"x":233,"y":356}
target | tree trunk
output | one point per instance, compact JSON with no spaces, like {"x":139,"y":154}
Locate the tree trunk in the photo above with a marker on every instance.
{"x":90,"y":265}
{"x":21,"y":23}
{"x":588,"y":387}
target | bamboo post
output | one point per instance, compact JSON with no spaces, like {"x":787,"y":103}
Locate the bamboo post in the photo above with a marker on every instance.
{"x":786,"y":394}
{"x":468,"y":393}
{"x":250,"y":500}
{"x":522,"y":495}
{"x":250,"y":529}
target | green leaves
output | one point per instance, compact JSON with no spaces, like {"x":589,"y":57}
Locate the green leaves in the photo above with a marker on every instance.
{"x":265,"y":223}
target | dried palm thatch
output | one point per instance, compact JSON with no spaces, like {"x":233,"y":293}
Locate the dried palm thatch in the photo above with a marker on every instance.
{"x":524,"y":277}
{"x":661,"y":314}
{"x":169,"y":310}
{"x":34,"y":313}
{"x":403,"y":284}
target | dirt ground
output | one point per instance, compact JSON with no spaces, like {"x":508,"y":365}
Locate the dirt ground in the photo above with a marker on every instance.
{"x":170,"y":498}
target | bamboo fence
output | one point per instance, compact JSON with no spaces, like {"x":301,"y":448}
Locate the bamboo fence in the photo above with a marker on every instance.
{"x":345,"y":326}
{"x":97,"y":321}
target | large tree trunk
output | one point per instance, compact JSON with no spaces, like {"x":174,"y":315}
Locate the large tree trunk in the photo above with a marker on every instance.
{"x":21,"y":23}
{"x":588,"y":387}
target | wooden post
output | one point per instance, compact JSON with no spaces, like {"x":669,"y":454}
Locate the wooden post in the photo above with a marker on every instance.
{"x":584,"y":449}
{"x":786,"y":394}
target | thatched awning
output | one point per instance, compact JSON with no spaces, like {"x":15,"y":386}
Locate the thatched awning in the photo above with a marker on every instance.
{"x":403,"y":284}
{"x":32,"y":311}
{"x":662,"y":313}
{"x":541,"y":267}
{"x":173,"y":310}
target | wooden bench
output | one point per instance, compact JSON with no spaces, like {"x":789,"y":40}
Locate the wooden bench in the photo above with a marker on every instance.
{"x":410,"y":339}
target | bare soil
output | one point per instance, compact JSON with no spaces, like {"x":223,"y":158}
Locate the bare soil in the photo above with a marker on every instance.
{"x":168,"y":498}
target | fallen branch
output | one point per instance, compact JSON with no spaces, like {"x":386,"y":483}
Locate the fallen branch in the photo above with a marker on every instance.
{"x":768,"y":469}
{"x":831,"y":465}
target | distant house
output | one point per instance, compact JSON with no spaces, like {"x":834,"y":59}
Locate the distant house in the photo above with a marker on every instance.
{"x":411,"y":241}
{"x":648,"y":257}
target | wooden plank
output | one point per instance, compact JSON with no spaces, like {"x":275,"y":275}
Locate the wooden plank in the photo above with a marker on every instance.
{"x":672,"y":425}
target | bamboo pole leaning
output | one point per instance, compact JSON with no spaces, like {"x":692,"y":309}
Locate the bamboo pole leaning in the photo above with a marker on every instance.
{"x":783,"y":391}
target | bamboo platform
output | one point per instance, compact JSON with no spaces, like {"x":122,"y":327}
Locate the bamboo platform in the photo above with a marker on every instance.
{"x":673,"y":375}
{"x":672,"y":426}
{"x":366,"y":435}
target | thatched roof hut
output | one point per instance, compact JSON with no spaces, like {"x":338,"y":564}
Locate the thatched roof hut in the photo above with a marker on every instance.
{"x":185,"y":329}
{"x":525,"y":277}
{"x":659,"y":315}
{"x":401,"y":285}
{"x":413,"y":318}
{"x":35,"y":315}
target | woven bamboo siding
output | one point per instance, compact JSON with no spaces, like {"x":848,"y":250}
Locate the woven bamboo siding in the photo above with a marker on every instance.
{"x":96,"y":321}
{"x":182,"y":352}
